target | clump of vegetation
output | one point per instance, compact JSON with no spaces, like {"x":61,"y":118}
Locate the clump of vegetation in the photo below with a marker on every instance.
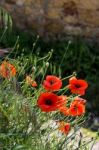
{"x":38,"y":109}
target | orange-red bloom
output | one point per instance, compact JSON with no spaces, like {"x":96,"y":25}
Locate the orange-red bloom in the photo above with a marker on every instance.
{"x":80,"y":100}
{"x":48,"y":102}
{"x":7,"y":70}
{"x":30,"y":81}
{"x":77,"y":108}
{"x":62,"y":100}
{"x":64,"y":127}
{"x":65,"y":110}
{"x":77,"y":86}
{"x":52,"y":83}
{"x":62,"y":105}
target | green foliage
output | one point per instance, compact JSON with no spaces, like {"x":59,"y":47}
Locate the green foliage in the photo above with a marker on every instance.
{"x":5,"y":19}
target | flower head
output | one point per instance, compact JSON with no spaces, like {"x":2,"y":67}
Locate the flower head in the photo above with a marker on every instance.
{"x":30,"y":81}
{"x":77,"y":108}
{"x":77,"y":86}
{"x":47,"y":101}
{"x":64,"y":127}
{"x":65,"y":110}
{"x":62,"y":104}
{"x":7,"y":70}
{"x":52,"y":83}
{"x":62,"y":100}
{"x":80,"y":100}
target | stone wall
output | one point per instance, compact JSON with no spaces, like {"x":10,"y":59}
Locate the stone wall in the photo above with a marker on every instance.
{"x":56,"y":17}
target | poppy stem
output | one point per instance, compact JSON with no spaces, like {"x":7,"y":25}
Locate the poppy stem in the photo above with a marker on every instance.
{"x":74,"y":74}
{"x":64,"y":57}
{"x":4,"y":112}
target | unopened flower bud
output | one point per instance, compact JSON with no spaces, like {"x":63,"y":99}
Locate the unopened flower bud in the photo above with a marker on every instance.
{"x":47,"y":64}
{"x":33,"y":69}
{"x":51,"y":50}
{"x":74,"y":73}
{"x":38,"y":36}
{"x":69,"y":42}
{"x":34,"y":44}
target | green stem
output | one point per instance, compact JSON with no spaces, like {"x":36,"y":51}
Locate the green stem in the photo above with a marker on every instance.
{"x":3,"y":33}
{"x":4,"y":112}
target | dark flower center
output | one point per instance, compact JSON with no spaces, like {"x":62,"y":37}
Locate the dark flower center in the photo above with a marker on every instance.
{"x":77,"y":85}
{"x":7,"y":71}
{"x":48,"y":102}
{"x":52,"y":82}
{"x":75,"y":108}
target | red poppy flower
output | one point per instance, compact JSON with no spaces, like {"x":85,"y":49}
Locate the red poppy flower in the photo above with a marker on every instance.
{"x":77,"y":86}
{"x":30,"y":81}
{"x":52,"y":83}
{"x":65,"y":110}
{"x":77,"y":108}
{"x":62,"y":100}
{"x":80,"y":100}
{"x":7,"y":70}
{"x":64,"y":127}
{"x":48,"y":102}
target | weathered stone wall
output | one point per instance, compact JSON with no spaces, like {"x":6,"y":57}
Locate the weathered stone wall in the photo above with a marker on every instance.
{"x":48,"y":17}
